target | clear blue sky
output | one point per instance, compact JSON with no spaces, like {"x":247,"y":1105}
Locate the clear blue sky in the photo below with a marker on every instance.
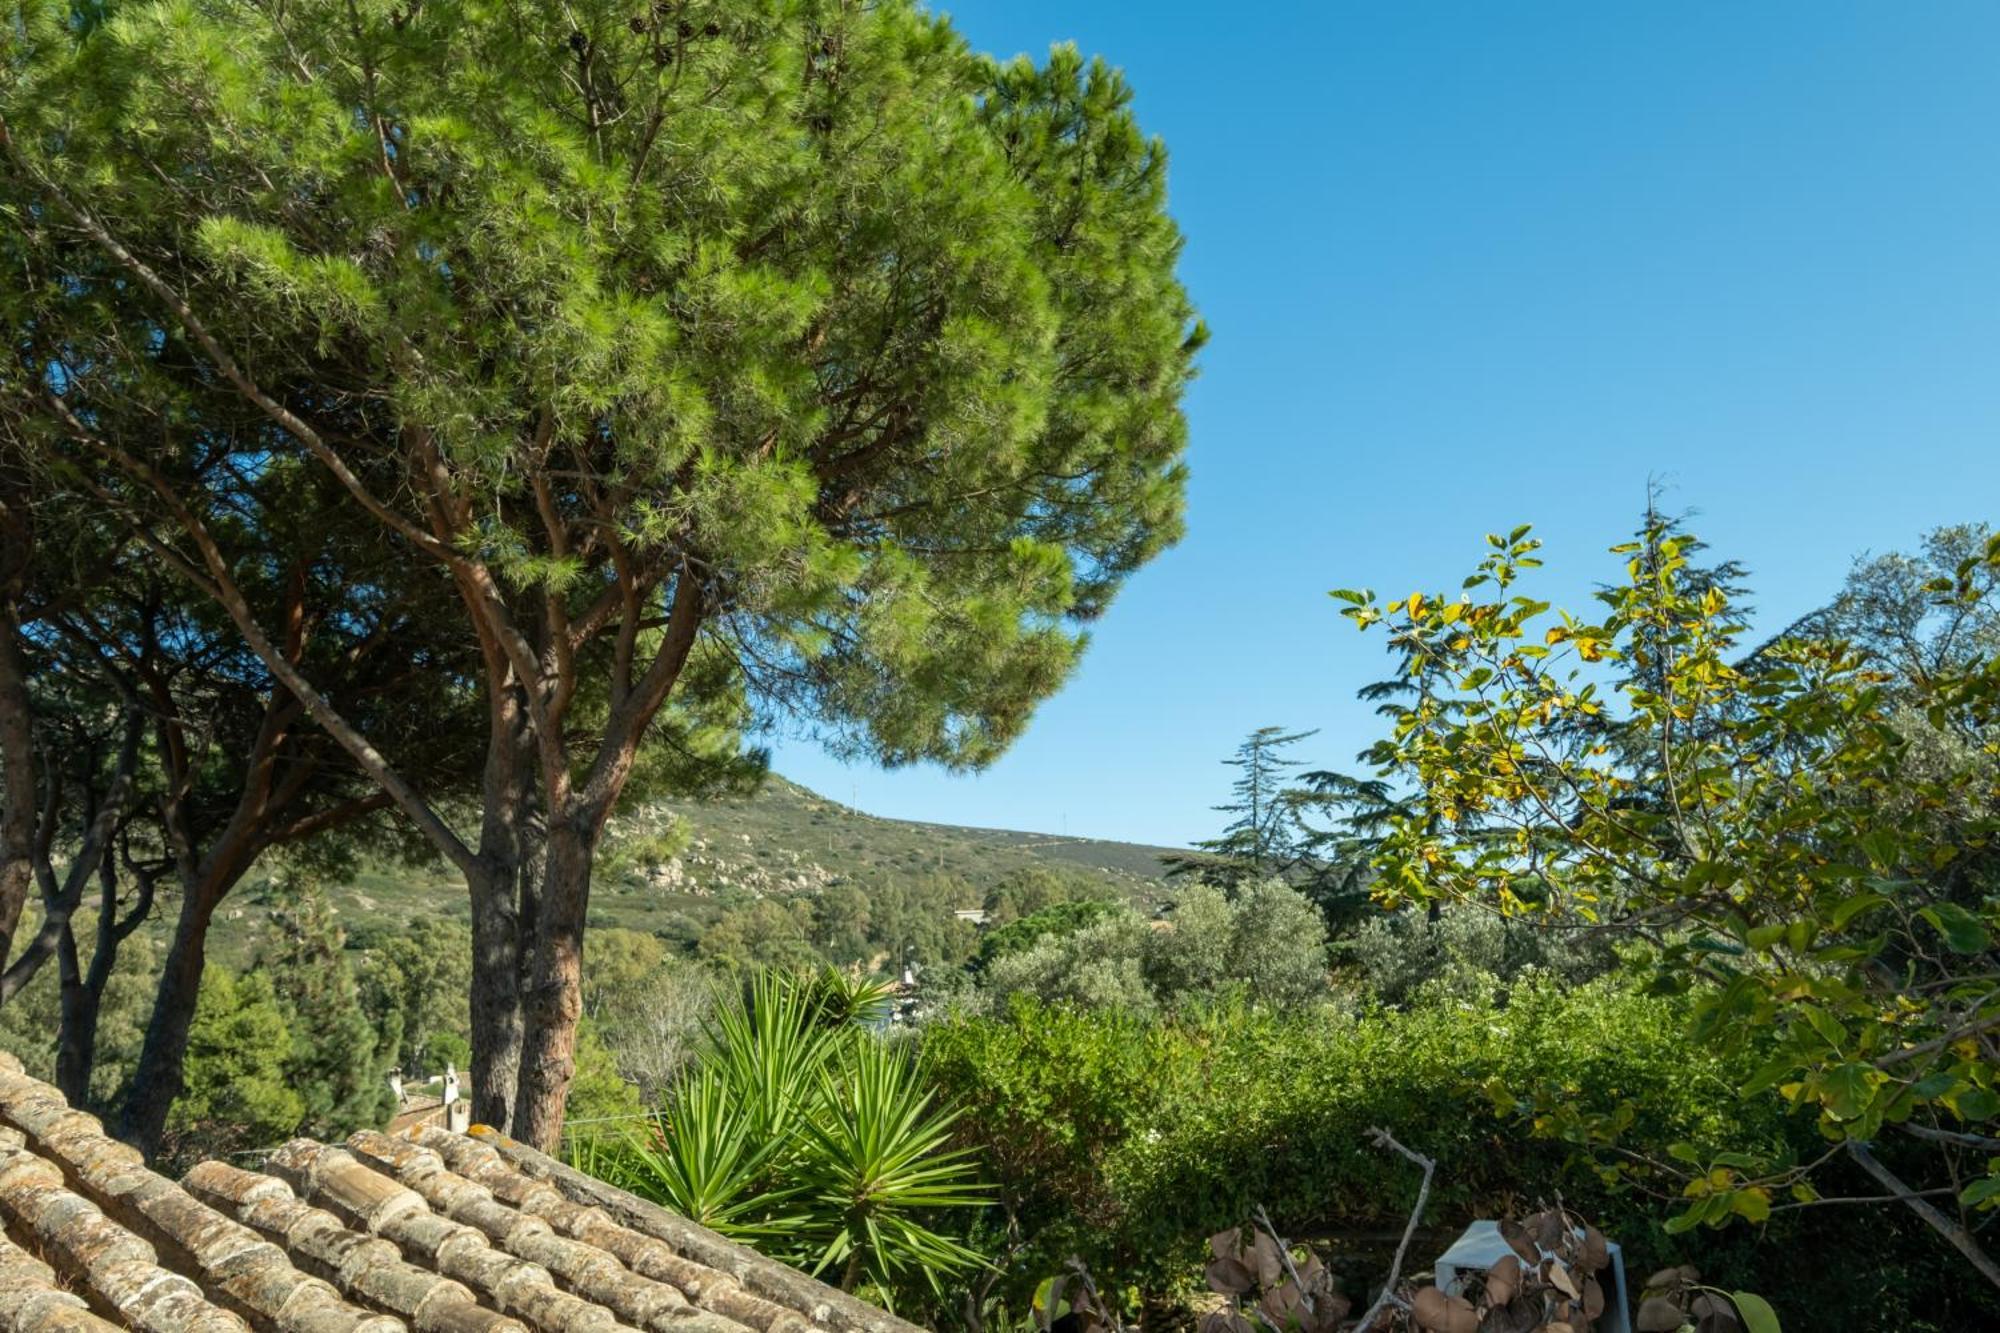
{"x":1470,"y":265}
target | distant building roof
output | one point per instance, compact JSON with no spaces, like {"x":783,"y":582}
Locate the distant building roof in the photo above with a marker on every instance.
{"x":424,"y":1232}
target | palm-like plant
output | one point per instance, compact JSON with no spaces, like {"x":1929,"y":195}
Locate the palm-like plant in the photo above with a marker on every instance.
{"x":877,"y":1154}
{"x":702,"y":1160}
{"x":805,"y":1133}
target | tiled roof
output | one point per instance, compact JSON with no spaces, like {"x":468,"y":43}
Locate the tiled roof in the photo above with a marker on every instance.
{"x":422,"y":1232}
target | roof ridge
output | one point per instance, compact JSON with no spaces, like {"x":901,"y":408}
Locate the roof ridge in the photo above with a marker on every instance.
{"x":424,"y":1232}
{"x":246,"y":1273}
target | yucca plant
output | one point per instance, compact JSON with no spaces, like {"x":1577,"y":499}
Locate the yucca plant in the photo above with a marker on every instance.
{"x":802,"y":1132}
{"x":701,"y":1159}
{"x":877,"y":1154}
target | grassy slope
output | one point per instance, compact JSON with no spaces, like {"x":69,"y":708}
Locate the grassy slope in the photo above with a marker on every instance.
{"x":785,"y":839}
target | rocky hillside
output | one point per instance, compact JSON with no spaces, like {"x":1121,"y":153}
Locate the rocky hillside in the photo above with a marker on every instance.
{"x":673,"y":867}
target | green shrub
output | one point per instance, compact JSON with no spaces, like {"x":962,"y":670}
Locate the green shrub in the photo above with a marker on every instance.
{"x":1060,"y":919}
{"x":1098,"y":967}
{"x":237,"y":1093}
{"x":1127,"y":1141}
{"x":1462,"y":950}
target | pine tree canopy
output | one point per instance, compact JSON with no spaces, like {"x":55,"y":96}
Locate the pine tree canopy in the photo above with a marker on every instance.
{"x":796,"y":313}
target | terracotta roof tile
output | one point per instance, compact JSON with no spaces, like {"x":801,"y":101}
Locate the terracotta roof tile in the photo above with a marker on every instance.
{"x":32,"y":1301}
{"x":426,"y":1231}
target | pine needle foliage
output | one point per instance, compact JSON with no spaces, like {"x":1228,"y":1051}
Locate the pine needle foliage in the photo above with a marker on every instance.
{"x":877,"y":338}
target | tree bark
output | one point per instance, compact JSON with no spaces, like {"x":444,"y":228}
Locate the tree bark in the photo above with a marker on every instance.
{"x":158,"y":1080}
{"x":552,"y":990}
{"x":18,"y":783}
{"x":496,"y":993}
{"x":499,"y":885}
{"x":83,"y":997}
{"x":206,"y":879}
{"x":102,"y":814}
{"x":76,"y":1038}
{"x":552,"y":994}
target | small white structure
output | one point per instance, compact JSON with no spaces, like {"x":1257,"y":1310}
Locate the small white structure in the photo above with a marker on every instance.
{"x":1481,"y":1246}
{"x":457,"y":1113}
{"x":396,"y":1086}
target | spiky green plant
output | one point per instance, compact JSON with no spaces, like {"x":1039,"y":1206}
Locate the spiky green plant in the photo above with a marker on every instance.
{"x":701,"y":1159}
{"x":803,"y":1132}
{"x":876,"y":1156}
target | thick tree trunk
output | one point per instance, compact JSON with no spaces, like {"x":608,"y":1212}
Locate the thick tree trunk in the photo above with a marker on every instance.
{"x":18,"y":784}
{"x":496,"y":994}
{"x":158,"y":1079}
{"x":499,"y":883}
{"x":552,"y":994}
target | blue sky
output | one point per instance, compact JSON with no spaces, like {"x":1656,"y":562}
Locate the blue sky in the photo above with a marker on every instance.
{"x":1471,"y":265}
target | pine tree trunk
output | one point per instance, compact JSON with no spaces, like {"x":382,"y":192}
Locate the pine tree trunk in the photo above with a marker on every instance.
{"x":18,"y":781}
{"x":158,"y":1078}
{"x":76,"y":1040}
{"x":496,"y":993}
{"x":552,"y":992}
{"x":502,"y":892}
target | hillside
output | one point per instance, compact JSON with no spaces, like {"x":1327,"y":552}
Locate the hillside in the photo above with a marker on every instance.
{"x":673,"y":867}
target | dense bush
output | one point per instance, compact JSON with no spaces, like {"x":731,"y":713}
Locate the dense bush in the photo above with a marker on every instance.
{"x":1461,"y":949}
{"x":1100,"y":966}
{"x":1057,"y":919}
{"x":1269,"y":944}
{"x":1126,"y":1141}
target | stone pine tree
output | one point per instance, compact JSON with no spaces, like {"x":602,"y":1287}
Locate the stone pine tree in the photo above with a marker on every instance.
{"x":779,"y":351}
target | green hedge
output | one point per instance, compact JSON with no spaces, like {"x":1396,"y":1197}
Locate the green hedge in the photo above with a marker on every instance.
{"x":1126,"y":1141}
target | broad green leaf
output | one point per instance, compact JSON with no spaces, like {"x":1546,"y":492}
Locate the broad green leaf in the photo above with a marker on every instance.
{"x":1686,"y":1221}
{"x":1763,"y":937}
{"x":1962,"y":931}
{"x":1753,"y":1204}
{"x":1849,"y":908}
{"x":1827,"y":1026}
{"x":1847,"y":1090}
{"x":1758,"y":1316}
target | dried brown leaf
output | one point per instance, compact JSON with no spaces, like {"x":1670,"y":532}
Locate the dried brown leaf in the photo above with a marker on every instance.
{"x":1265,"y":1260}
{"x":1594,"y":1252}
{"x":1519,"y":1241}
{"x":1430,"y":1309}
{"x":1657,"y":1314}
{"x":1280,"y":1301}
{"x":1503,"y":1280}
{"x":1229,"y":1277}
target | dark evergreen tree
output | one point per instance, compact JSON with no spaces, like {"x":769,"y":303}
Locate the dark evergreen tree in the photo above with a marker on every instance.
{"x":339,"y":1063}
{"x":1265,"y":837}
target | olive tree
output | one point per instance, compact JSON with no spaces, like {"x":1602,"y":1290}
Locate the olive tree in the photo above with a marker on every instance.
{"x":769,"y":350}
